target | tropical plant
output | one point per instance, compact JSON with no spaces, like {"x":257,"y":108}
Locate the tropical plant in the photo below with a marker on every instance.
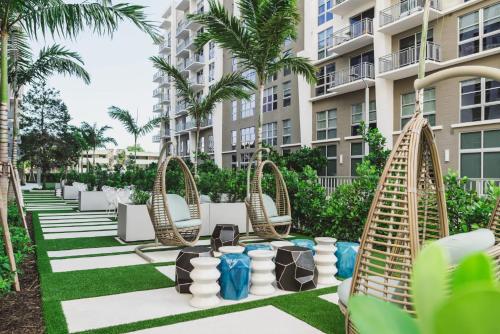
{"x":95,"y":137}
{"x":255,"y":37}
{"x":200,"y":107}
{"x":463,"y":301}
{"x":130,"y":124}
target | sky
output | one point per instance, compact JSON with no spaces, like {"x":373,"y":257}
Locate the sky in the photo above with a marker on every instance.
{"x":121,"y":75}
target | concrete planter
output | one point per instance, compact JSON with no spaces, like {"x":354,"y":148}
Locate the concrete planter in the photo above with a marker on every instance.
{"x":70,"y":192}
{"x":134,"y":223}
{"x":225,"y":213}
{"x":92,"y":201}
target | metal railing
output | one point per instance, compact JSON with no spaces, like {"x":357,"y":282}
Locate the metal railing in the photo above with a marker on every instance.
{"x":157,"y":92}
{"x":330,"y":183}
{"x":403,"y":9}
{"x":195,"y":59}
{"x":158,"y":75}
{"x":165,"y":97}
{"x":156,"y":138}
{"x":353,"y":73}
{"x":158,"y":108}
{"x":183,"y":44}
{"x":352,"y":31}
{"x":409,"y":56}
{"x":481,"y":186}
{"x":181,"y":25}
{"x":165,"y":44}
{"x":180,"y":107}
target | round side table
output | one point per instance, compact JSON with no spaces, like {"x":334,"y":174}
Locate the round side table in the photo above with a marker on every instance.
{"x":231,"y":250}
{"x":325,"y":261}
{"x":204,"y":287}
{"x":262,"y":277}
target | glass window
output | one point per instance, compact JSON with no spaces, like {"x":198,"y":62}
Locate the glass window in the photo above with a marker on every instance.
{"x":270,"y":100}
{"x":326,"y":124}
{"x":287,"y":93}
{"x":211,"y":50}
{"x":245,"y":159}
{"x":270,"y":134}
{"x":325,"y":13}
{"x":324,"y":76}
{"x":491,"y":27}
{"x":479,"y":100}
{"x":202,"y":144}
{"x":287,"y":70}
{"x":408,"y":106}
{"x":480,"y":154}
{"x":287,"y":131}
{"x":234,"y":161}
{"x":248,"y":107}
{"x":234,"y":64}
{"x":357,"y":150}
{"x":250,"y":75}
{"x":210,"y":143}
{"x":234,"y":110}
{"x":358,"y":115}
{"x":479,"y":30}
{"x":248,"y":137}
{"x":325,"y":41}
{"x":330,"y":153}
{"x":233,"y":138}
{"x":211,"y":72}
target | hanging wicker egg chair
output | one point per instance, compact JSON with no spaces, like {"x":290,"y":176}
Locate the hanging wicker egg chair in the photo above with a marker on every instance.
{"x":494,"y":224}
{"x":270,"y":219}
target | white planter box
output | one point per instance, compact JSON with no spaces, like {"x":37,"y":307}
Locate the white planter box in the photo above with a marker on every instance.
{"x":92,"y":201}
{"x":70,"y":192}
{"x":226,"y":213}
{"x":134,"y":223}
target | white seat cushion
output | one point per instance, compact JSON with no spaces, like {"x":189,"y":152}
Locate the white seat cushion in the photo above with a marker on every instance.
{"x":269,"y":206}
{"x":280,"y":219}
{"x":344,"y":288}
{"x":178,"y":208}
{"x":461,"y":245}
{"x":188,"y":223}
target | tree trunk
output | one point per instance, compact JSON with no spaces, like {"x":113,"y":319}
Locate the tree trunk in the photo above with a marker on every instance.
{"x":196,"y":149}
{"x":135,"y":149}
{"x":260,"y":118}
{"x":13,"y":144}
{"x":4,"y":158}
{"x":93,"y":157}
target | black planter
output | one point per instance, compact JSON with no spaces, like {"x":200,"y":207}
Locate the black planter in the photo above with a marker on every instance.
{"x":295,"y":269}
{"x":224,"y":235}
{"x":183,"y":266}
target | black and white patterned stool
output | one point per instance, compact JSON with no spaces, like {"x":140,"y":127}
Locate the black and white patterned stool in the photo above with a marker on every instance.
{"x":295,"y":269}
{"x":224,"y":235}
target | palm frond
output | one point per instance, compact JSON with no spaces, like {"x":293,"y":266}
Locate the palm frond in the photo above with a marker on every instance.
{"x":150,"y":125}
{"x":184,"y":90}
{"x":126,"y":118}
{"x":298,"y":65}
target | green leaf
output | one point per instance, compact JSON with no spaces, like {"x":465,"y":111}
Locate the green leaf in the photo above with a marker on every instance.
{"x":469,"y":312}
{"x":429,"y":284}
{"x":477,"y":268}
{"x":374,"y":316}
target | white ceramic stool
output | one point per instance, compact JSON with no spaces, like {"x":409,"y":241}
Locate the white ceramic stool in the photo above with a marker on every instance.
{"x":204,"y":287}
{"x":262,"y":277}
{"x":280,"y":243}
{"x":231,"y":250}
{"x":326,"y":260}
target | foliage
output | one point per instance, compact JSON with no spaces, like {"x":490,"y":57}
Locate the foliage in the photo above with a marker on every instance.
{"x":469,"y":305}
{"x":140,"y":197}
{"x":95,"y":137}
{"x":136,"y":148}
{"x":299,"y":159}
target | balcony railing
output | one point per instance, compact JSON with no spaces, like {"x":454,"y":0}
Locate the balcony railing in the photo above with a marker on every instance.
{"x":164,"y":45}
{"x":158,"y":75}
{"x":352,"y":31}
{"x":156,"y":138}
{"x":195,"y":59}
{"x":197,"y":81}
{"x":353,"y":73}
{"x":207,"y":122}
{"x":179,"y":108}
{"x":158,"y":108}
{"x":409,"y":56}
{"x":181,"y":25}
{"x":165,"y":98}
{"x":404,"y":9}
{"x":183,"y":44}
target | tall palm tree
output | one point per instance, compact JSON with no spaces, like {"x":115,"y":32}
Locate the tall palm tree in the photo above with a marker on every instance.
{"x":229,"y":87}
{"x":130,"y":124}
{"x":95,"y":137}
{"x":256,"y":38}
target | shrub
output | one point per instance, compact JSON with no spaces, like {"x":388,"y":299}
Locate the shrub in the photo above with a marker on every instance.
{"x":140,"y":197}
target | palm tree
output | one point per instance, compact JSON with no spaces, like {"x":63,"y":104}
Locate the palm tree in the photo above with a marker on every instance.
{"x":95,"y":138}
{"x":230,"y":86}
{"x":255,"y":38}
{"x":130,"y":124}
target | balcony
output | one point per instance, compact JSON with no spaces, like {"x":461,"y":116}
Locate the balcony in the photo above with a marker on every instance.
{"x":182,"y":29}
{"x":165,"y":81}
{"x":207,"y":123}
{"x":406,"y":15}
{"x":404,"y":63}
{"x":182,"y":50}
{"x":196,"y":62}
{"x":158,"y":108}
{"x":197,"y":83}
{"x":165,"y":98}
{"x":165,"y":133}
{"x":342,"y":7}
{"x":184,"y":126}
{"x":165,"y":24}
{"x":352,"y":79}
{"x":182,"y":5}
{"x":165,"y":47}
{"x":156,"y":138}
{"x":157,"y":77}
{"x":158,"y":92}
{"x":180,"y":109}
{"x":182,"y":66}
{"x":353,"y":37}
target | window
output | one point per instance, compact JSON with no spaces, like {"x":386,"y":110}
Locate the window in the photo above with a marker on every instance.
{"x":356,"y":156}
{"x":234,"y":161}
{"x":233,"y":138}
{"x":287,"y":93}
{"x":247,"y":137}
{"x":211,"y":72}
{"x":288,"y":42}
{"x":480,"y":154}
{"x":287,"y":70}
{"x":330,"y":153}
{"x":480,"y":100}
{"x":248,"y":107}
{"x":211,"y":144}
{"x":202,"y":144}
{"x":270,"y":100}
{"x":408,"y":106}
{"x":234,"y":64}
{"x":245,"y":159}
{"x":234,"y":110}
{"x":250,"y":75}
{"x":211,"y":50}
{"x":325,"y":41}
{"x":358,"y":115}
{"x":287,"y":131}
{"x":325,"y":13}
{"x":479,"y":30}
{"x":324,"y":76}
{"x":326,"y":124}
{"x":270,"y":134}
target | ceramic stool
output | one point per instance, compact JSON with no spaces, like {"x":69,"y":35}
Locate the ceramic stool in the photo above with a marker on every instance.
{"x":262,"y":278}
{"x":204,"y":287}
{"x":231,"y":250}
{"x":307,"y":243}
{"x":295,"y":269}
{"x":235,"y":276}
{"x":280,"y":243}
{"x":224,"y":235}
{"x":325,"y":261}
{"x":251,"y":247}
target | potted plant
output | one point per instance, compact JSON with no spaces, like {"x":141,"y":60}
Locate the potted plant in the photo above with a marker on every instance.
{"x":134,"y":223}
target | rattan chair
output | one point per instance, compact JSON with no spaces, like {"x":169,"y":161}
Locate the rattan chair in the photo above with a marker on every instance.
{"x":270,"y":219}
{"x":494,"y":226}
{"x":168,"y":231}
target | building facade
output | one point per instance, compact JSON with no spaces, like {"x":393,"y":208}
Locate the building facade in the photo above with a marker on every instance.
{"x":367,"y":56}
{"x":108,"y":158}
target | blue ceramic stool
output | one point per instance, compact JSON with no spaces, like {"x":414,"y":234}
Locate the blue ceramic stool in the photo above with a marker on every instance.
{"x":346,"y":258}
{"x":235,"y":276}
{"x":306,"y":243}
{"x":251,"y":247}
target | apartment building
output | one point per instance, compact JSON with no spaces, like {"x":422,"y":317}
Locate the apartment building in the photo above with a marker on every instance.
{"x":108,"y":158}
{"x":367,"y":54}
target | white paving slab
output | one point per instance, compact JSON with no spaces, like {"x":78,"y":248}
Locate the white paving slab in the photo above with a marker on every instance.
{"x":76,"y":213}
{"x":74,"y":235}
{"x":168,"y":271}
{"x":97,"y":262}
{"x":75,"y":217}
{"x":73,"y":220}
{"x":48,"y":209}
{"x":270,"y":320}
{"x":91,"y":251}
{"x":96,"y":223}
{"x":331,"y":297}
{"x":78,"y":228}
